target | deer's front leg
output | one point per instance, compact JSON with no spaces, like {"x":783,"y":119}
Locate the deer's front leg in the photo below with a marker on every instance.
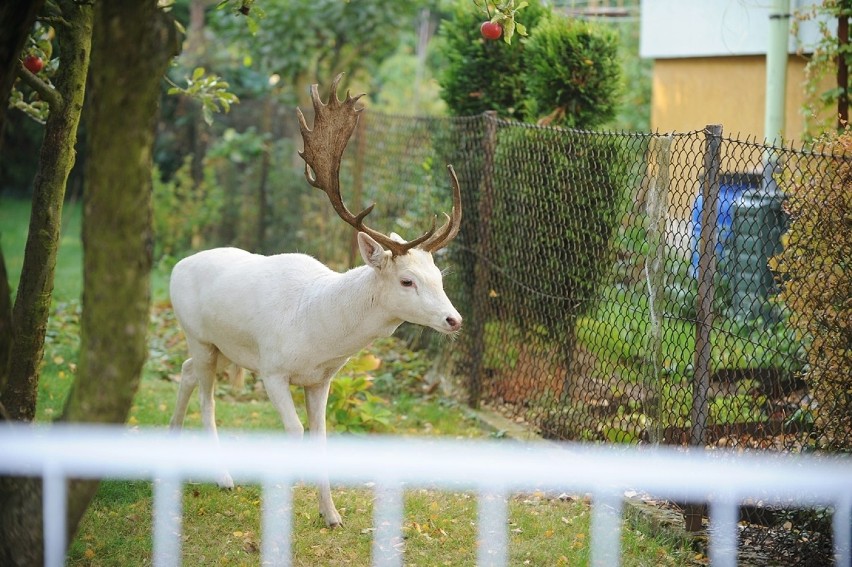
{"x":316,"y":398}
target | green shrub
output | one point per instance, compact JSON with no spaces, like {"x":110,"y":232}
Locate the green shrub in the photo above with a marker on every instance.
{"x":554,"y":217}
{"x":352,"y":407}
{"x":236,"y":160}
{"x":816,"y":281}
{"x":482,"y":75}
{"x":184,"y":211}
{"x":572,"y":73}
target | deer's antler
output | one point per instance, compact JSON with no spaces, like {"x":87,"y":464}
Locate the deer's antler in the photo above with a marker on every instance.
{"x":451,"y":227}
{"x":324,"y":145}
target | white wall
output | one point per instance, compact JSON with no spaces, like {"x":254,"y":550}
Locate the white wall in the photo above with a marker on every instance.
{"x":711,"y":28}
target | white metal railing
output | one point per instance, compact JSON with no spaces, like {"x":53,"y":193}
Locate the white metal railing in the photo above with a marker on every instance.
{"x":493,"y":469}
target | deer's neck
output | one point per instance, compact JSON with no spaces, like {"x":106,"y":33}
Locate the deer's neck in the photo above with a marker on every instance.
{"x":354,"y":313}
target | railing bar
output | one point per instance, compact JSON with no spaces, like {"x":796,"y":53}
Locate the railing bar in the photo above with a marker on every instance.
{"x":842,"y":523}
{"x":387,"y":520}
{"x":606,"y":529}
{"x":493,"y":529}
{"x":168,"y":518}
{"x":723,"y":534}
{"x":58,"y":455}
{"x":277,"y":523}
{"x":55,"y":512}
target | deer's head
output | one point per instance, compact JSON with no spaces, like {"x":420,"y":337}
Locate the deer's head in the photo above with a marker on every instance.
{"x":411,"y":286}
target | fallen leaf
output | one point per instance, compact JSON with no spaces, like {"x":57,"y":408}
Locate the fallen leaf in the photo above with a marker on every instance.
{"x":250,"y":546}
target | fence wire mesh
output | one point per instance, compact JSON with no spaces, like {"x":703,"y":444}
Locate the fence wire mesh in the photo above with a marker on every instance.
{"x":616,"y":287}
{"x":603,"y":300}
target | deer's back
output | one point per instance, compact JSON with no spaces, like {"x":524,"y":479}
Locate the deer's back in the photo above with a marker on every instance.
{"x":234,"y":299}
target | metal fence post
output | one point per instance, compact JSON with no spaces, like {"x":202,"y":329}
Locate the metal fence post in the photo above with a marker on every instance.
{"x":481,"y":284}
{"x":707,"y":271}
{"x":700,"y":412}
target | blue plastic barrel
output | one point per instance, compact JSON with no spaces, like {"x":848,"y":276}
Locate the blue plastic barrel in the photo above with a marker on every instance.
{"x":731,"y":187}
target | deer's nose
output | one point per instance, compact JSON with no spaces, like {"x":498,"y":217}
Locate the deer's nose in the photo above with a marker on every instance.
{"x":454,"y":323}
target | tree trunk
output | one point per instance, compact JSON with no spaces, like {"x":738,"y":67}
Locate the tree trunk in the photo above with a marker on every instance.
{"x":32,"y":304}
{"x":133,"y":44}
{"x":5,"y":328}
{"x":21,"y":540}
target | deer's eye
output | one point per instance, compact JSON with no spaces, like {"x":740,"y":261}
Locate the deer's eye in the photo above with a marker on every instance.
{"x":405,"y":282}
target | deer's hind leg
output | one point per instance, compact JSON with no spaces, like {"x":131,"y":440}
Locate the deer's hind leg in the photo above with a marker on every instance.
{"x":200,"y":369}
{"x":188,"y":382}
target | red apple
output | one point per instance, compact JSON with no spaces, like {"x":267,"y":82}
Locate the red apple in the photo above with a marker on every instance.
{"x":491,"y":30}
{"x":33,"y":63}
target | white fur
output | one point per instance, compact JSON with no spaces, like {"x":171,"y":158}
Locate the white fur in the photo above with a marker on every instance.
{"x":292,"y":320}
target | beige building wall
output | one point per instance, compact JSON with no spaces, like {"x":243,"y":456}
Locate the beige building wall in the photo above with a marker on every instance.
{"x":690,"y":93}
{"x":693,"y":92}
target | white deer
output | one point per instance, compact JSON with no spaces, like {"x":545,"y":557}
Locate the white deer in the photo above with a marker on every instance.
{"x":292,"y":320}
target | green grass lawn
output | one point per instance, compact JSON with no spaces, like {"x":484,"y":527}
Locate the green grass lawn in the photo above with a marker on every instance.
{"x":381,"y":389}
{"x":14,"y":225}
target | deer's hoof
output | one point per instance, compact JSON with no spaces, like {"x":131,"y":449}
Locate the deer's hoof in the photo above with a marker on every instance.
{"x":333,"y":520}
{"x":225,"y":482}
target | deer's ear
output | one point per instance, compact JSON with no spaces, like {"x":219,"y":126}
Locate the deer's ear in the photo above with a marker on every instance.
{"x":371,"y":251}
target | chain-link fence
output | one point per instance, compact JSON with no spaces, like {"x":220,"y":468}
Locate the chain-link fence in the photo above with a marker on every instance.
{"x":603,"y":300}
{"x":616,"y":287}
{"x":625,"y":288}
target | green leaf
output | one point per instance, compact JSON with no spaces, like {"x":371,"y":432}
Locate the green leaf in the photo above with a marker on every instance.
{"x":253,"y":26}
{"x":197,"y":73}
{"x":508,"y":30}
